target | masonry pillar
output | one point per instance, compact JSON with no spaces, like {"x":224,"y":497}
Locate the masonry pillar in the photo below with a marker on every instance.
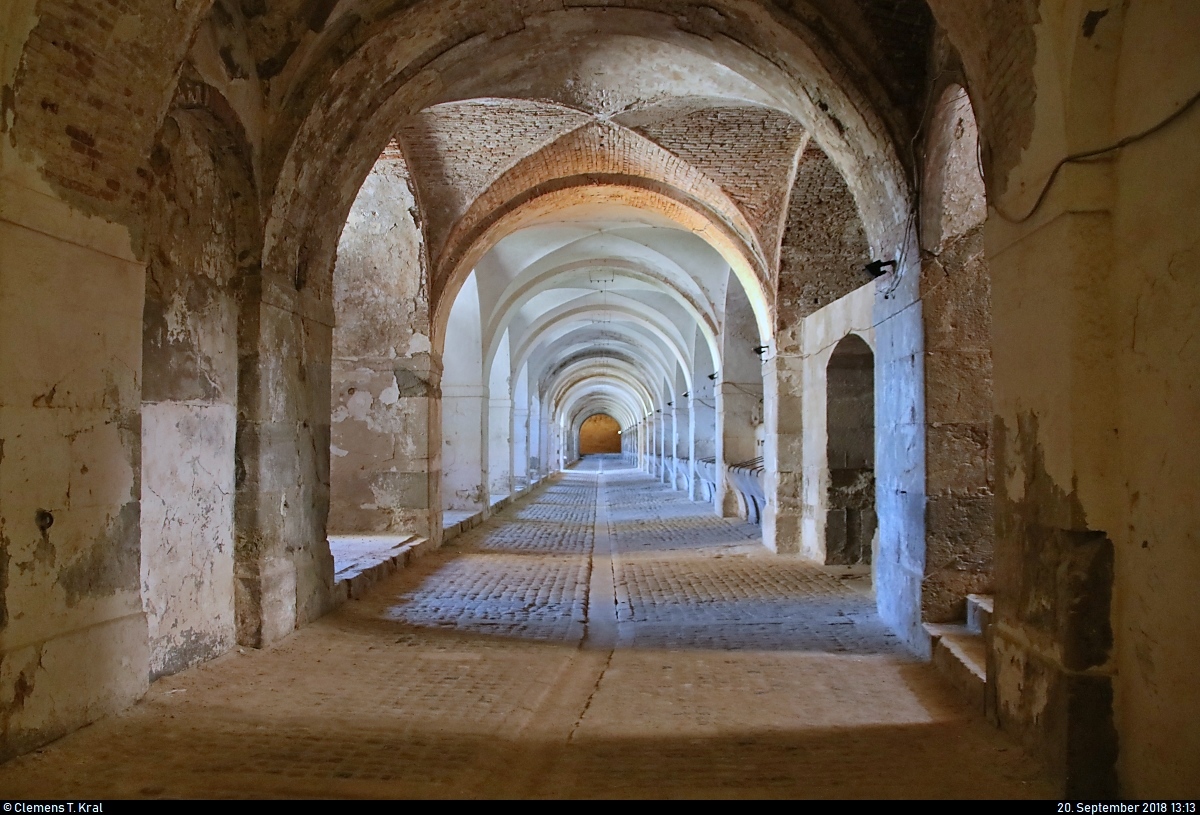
{"x":536,"y":468}
{"x":668,"y":452}
{"x":742,"y":406}
{"x":385,"y":465}
{"x":783,"y":414}
{"x":464,"y":458}
{"x":283,"y":568}
{"x":520,"y":432}
{"x":499,"y":446}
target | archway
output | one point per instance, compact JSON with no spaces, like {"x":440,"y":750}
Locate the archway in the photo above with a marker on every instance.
{"x":850,"y":520}
{"x":599,"y":433}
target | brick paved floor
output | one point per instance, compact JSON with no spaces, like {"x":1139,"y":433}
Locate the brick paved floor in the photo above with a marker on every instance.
{"x":607,"y":638}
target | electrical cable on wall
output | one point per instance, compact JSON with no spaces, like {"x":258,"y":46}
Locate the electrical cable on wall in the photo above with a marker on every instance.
{"x":1087,"y":154}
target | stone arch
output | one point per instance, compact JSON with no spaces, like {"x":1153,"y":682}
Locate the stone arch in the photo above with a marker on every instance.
{"x":386,"y":52}
{"x":622,"y":191}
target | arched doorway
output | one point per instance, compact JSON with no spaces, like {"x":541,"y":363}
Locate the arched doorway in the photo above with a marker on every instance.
{"x":850,"y":519}
{"x":599,"y":433}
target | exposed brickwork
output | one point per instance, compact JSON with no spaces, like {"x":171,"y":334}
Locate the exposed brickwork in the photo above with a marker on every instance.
{"x":95,"y":82}
{"x":594,"y":154}
{"x":824,"y":244}
{"x":998,"y":47}
{"x":457,"y":150}
{"x":748,"y":150}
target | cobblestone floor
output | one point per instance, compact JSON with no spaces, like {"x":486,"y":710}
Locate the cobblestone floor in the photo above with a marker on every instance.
{"x":607,"y":638}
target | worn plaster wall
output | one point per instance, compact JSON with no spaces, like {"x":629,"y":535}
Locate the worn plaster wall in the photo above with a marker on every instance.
{"x":189,"y":397}
{"x":1156,"y":292}
{"x":1094,"y":301}
{"x":385,"y":458}
{"x":73,"y":634}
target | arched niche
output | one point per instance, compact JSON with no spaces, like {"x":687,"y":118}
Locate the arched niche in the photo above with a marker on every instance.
{"x":850,"y":520}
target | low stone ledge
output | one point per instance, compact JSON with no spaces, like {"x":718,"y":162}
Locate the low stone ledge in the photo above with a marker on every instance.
{"x":452,"y":531}
{"x":354,"y":580}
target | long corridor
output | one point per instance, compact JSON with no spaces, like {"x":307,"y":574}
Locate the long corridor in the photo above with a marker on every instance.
{"x":606,"y":637}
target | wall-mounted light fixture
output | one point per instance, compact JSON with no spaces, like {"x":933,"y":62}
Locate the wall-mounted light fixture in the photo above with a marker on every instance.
{"x":761,"y":349}
{"x":876,"y":267}
{"x":670,"y":404}
{"x":686,"y":394}
{"x":713,"y":375}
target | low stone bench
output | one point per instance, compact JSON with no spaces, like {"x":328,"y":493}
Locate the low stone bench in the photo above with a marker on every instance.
{"x":748,"y":478}
{"x":706,"y":471}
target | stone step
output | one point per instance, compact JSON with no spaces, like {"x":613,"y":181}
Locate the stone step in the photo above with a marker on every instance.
{"x":960,"y":655}
{"x":979,"y":612}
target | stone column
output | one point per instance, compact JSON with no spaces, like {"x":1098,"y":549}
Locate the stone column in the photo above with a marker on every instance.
{"x":783,"y":453}
{"x":282,"y":565}
{"x":959,"y":516}
{"x":536,"y":467}
{"x":520,"y":446}
{"x":742,"y":404}
{"x":464,"y":458}
{"x":499,"y":448}
{"x":684,"y":445}
{"x":664,"y":431}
